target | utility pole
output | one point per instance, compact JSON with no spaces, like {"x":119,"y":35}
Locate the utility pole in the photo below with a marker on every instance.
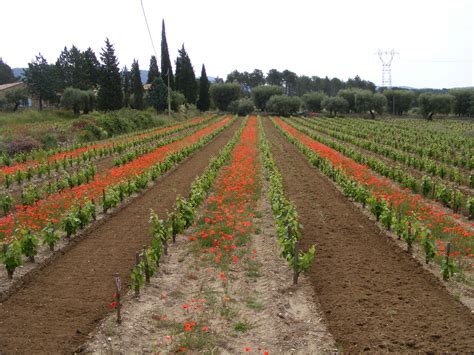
{"x":169,"y":94}
{"x":386,"y":58}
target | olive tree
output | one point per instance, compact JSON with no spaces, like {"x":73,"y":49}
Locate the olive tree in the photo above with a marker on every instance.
{"x":430,"y":104}
{"x":335,"y":105}
{"x":223,"y":94}
{"x":261,"y":94}
{"x":313,"y":100}
{"x":283,"y":105}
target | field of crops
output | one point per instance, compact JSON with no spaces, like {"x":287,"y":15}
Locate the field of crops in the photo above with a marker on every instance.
{"x":257,"y":234}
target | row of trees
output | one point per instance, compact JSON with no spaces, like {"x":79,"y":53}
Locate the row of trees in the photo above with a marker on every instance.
{"x":294,"y":85}
{"x":274,"y":98}
{"x":77,"y":75}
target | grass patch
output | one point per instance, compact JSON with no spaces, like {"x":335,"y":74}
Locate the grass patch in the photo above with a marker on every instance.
{"x":252,"y":268}
{"x":253,"y":303}
{"x":243,"y":326}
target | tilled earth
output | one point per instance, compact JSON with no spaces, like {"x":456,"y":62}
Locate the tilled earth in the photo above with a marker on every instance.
{"x":375,"y":297}
{"x":55,"y":311}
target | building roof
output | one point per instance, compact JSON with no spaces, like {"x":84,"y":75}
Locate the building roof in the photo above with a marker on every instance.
{"x":11,"y":85}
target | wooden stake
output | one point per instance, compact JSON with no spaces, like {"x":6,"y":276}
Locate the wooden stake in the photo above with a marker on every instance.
{"x":295,"y":266}
{"x":137,"y":262}
{"x":147,"y":267}
{"x":118,"y":288}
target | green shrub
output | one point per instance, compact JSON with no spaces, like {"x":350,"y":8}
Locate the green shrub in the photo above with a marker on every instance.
{"x":242,"y":107}
{"x":283,"y":105}
{"x":223,"y":94}
{"x":261,"y":94}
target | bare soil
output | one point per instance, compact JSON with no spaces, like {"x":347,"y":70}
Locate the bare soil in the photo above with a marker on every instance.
{"x":464,"y":213}
{"x":281,"y":318}
{"x":374,"y":295}
{"x":55,"y":311}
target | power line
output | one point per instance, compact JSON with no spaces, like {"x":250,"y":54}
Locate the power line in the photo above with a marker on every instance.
{"x":438,"y":61}
{"x":148,"y":27}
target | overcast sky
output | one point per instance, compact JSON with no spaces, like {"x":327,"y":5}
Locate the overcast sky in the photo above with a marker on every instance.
{"x":337,"y":38}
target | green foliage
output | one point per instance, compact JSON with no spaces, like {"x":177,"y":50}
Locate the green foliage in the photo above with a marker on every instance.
{"x":137,"y":277}
{"x":110,"y":94}
{"x":204,"y":99}
{"x":399,"y":101}
{"x":6,"y":73}
{"x":177,"y":100}
{"x":223,"y":94}
{"x":448,"y":267}
{"x":49,"y":236}
{"x":379,"y":103}
{"x":284,"y":212}
{"x":74,"y":99}
{"x":153,"y":71}
{"x":16,"y":97}
{"x":157,"y":96}
{"x":136,"y":87}
{"x":428,"y":244}
{"x":283,"y":105}
{"x":185,"y":80}
{"x":70,"y":223}
{"x":126,"y":89}
{"x":463,"y":101}
{"x":11,"y":256}
{"x":160,"y":235}
{"x":335,"y":105}
{"x":242,"y":107}
{"x":349,"y":95}
{"x":6,"y":203}
{"x":166,"y":69}
{"x":261,"y":95}
{"x":29,"y":244}
{"x":430,"y":104}
{"x":42,"y":80}
{"x":77,"y":69}
{"x":313,"y":100}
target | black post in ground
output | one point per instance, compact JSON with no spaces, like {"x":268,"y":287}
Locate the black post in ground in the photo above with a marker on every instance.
{"x":118,"y":303}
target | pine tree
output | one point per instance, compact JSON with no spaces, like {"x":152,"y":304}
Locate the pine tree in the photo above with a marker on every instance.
{"x":166,"y":68}
{"x":153,"y":72}
{"x":204,"y":101}
{"x":6,"y":73}
{"x":158,"y":94}
{"x":71,"y":69}
{"x":136,"y":87}
{"x":91,"y":68}
{"x":185,"y":78}
{"x":42,"y":80}
{"x":110,"y":87}
{"x":126,"y":87}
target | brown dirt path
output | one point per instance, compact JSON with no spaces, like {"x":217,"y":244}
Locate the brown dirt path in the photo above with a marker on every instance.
{"x":54,"y":312}
{"x":374,"y":295}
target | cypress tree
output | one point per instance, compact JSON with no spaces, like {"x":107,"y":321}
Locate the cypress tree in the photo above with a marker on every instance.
{"x":204,"y":101}
{"x":153,"y":72}
{"x":166,"y":68}
{"x":126,"y":87}
{"x":110,"y":94}
{"x":158,"y":94}
{"x":185,"y":78}
{"x":136,"y":87}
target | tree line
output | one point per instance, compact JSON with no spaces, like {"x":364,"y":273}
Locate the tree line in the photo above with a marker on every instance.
{"x":80,"y":81}
{"x":290,"y":93}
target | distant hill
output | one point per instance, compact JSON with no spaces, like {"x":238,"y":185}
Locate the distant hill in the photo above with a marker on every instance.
{"x":18,"y":72}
